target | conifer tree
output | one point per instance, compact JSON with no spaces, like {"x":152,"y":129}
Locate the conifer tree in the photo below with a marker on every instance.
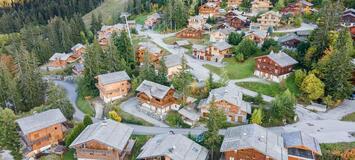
{"x":9,"y":138}
{"x":9,"y":95}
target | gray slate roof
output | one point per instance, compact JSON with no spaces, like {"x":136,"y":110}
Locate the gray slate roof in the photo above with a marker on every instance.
{"x":199,"y":47}
{"x":222,"y":45}
{"x":288,"y":37}
{"x":255,"y":137}
{"x":60,"y":56}
{"x":190,"y":114}
{"x":230,"y":94}
{"x":182,"y":43}
{"x":108,"y":132}
{"x":172,"y":60}
{"x":282,"y":59}
{"x":150,"y":47}
{"x":41,"y":120}
{"x":77,"y":46}
{"x":153,"y":89}
{"x":298,"y":138}
{"x":113,"y":77}
{"x":176,"y":147}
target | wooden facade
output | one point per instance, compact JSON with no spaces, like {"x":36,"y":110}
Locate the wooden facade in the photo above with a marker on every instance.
{"x":258,"y":6}
{"x":267,"y":66}
{"x":234,"y":3}
{"x":45,"y":137}
{"x":238,"y":23}
{"x":96,"y":150}
{"x":190,"y":33}
{"x":153,"y":57}
{"x":244,"y":154}
{"x":209,"y":9}
{"x":311,"y":155}
{"x":113,"y":91}
{"x":292,"y":43}
{"x":233,"y":113}
{"x":162,"y":103}
{"x":269,"y":19}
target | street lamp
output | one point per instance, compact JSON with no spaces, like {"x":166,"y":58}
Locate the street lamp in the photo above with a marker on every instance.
{"x":125,"y":15}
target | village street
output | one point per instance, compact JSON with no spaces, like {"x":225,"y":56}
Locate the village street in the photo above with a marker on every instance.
{"x":326,"y":127}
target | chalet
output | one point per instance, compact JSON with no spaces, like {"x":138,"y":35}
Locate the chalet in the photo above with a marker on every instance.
{"x":154,"y":53}
{"x":113,"y":86}
{"x":219,"y":50}
{"x":301,"y":146}
{"x":230,"y":100}
{"x":220,"y":35}
{"x":78,"y":49}
{"x":232,"y":13}
{"x":290,"y":40}
{"x":58,"y":61}
{"x":252,"y":142}
{"x":104,"y":35}
{"x":348,"y":17}
{"x":209,"y":9}
{"x":40,"y":131}
{"x":196,"y":22}
{"x":189,"y":115}
{"x":182,"y":43}
{"x":173,"y":65}
{"x":258,"y":6}
{"x":156,"y":98}
{"x":301,"y":6}
{"x":172,"y":147}
{"x":78,"y":68}
{"x":106,"y":140}
{"x":200,"y":52}
{"x":234,"y":3}
{"x":257,"y":36}
{"x":274,"y":66}
{"x":224,"y":25}
{"x":269,"y":19}
{"x":239,"y":22}
{"x":190,"y":33}
{"x":152,"y":20}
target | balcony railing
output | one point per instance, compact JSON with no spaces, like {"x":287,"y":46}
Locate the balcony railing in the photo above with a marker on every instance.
{"x":94,"y":151}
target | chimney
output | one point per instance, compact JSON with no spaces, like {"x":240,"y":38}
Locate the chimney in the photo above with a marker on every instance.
{"x":172,"y":149}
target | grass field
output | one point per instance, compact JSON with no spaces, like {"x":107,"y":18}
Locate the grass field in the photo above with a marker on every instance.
{"x":108,"y":8}
{"x":205,"y":40}
{"x":235,"y":70}
{"x":85,"y":106}
{"x":338,"y":151}
{"x":69,"y":155}
{"x":349,"y":117}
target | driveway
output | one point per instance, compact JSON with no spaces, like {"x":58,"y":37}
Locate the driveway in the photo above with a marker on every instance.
{"x":130,"y":106}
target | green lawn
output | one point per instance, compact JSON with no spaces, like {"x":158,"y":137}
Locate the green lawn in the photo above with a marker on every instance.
{"x":69,"y":155}
{"x":336,"y":150}
{"x":141,"y":18}
{"x":349,"y":117}
{"x":204,"y":40}
{"x":128,"y":118}
{"x":108,"y":9}
{"x":85,"y":106}
{"x":271,"y":89}
{"x":235,"y":70}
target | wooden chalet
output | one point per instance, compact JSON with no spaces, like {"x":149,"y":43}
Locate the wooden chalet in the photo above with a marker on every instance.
{"x":172,"y":147}
{"x":239,"y":22}
{"x":234,"y":3}
{"x":269,"y":19}
{"x":152,"y":20}
{"x":173,"y":65}
{"x":78,"y":49}
{"x":230,"y":100}
{"x":258,"y":36}
{"x":299,"y":7}
{"x":105,"y":33}
{"x":156,"y":98}
{"x":258,"y":6}
{"x":41,"y":131}
{"x":196,"y":22}
{"x":104,"y":140}
{"x":290,"y":40}
{"x":113,"y":86}
{"x":252,"y":142}
{"x":301,"y":146}
{"x":348,"y":17}
{"x":220,"y":35}
{"x":58,"y":61}
{"x":190,"y":33}
{"x":200,"y":52}
{"x":78,"y":68}
{"x":274,"y":66}
{"x":154,"y":53}
{"x":219,"y":50}
{"x":209,"y":9}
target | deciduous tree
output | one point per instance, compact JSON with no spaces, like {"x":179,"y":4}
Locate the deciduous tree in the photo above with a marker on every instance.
{"x":312,"y":87}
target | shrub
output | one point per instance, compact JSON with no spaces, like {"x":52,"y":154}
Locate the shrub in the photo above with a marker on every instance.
{"x":240,"y":57}
{"x":73,"y":134}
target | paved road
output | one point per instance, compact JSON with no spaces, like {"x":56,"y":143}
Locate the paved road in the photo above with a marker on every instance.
{"x":304,"y":27}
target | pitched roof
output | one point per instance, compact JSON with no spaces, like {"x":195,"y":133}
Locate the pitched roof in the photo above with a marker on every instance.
{"x":259,"y":33}
{"x":153,"y":89}
{"x":230,"y":94}
{"x":282,"y":59}
{"x":41,"y":120}
{"x":108,"y":132}
{"x":190,"y":114}
{"x":255,"y":137}
{"x":225,"y":31}
{"x":151,"y":47}
{"x":273,"y":13}
{"x":199,"y":47}
{"x":222,"y":45}
{"x":298,"y":138}
{"x":60,"y":56}
{"x":172,"y":60}
{"x":77,"y":46}
{"x":306,"y":3}
{"x":183,"y":42}
{"x":174,"y":146}
{"x":113,"y":77}
{"x":288,"y":37}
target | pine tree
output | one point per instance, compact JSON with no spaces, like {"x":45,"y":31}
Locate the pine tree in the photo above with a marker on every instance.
{"x":124,"y":47}
{"x":9,"y":138}
{"x":31,"y":86}
{"x":56,"y":98}
{"x":87,"y":120}
{"x":9,"y":95}
{"x":162,"y":76}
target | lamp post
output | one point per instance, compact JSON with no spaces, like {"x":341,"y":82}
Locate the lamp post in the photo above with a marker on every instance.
{"x":125,"y":15}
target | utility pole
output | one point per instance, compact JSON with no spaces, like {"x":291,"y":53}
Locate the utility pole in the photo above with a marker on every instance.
{"x":125,"y":15}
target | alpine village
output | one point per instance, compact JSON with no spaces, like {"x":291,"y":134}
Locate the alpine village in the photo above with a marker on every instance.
{"x":177,"y":79}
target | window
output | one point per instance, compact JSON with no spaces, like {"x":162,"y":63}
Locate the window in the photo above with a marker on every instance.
{"x":55,"y":128}
{"x":231,"y":158}
{"x":36,"y":135}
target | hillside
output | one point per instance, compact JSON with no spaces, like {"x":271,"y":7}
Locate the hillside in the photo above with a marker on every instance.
{"x":107,"y":9}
